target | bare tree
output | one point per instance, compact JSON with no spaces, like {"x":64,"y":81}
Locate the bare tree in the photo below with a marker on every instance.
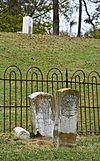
{"x":89,"y":19}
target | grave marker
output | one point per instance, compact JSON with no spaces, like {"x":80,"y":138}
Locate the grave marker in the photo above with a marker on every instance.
{"x":27,"y":25}
{"x":43,"y":113}
{"x":65,"y":130}
{"x":20,"y":133}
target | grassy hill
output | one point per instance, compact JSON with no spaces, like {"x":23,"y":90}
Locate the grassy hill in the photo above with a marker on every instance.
{"x":45,"y":52}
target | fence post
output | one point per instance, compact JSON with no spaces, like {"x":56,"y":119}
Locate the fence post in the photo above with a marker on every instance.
{"x":66,"y":78}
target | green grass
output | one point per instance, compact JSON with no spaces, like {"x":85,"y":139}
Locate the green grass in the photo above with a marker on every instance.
{"x":88,"y":148}
{"x":45,"y":52}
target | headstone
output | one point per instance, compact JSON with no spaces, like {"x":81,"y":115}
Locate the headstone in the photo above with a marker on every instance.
{"x":43,"y":113}
{"x":65,"y":129}
{"x":20,"y":133}
{"x":27,"y":25}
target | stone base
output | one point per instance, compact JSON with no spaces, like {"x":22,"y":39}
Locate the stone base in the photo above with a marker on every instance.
{"x":67,"y":139}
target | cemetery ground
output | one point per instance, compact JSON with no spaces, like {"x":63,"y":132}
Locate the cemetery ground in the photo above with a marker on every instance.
{"x":88,"y":148}
{"x":46,"y":52}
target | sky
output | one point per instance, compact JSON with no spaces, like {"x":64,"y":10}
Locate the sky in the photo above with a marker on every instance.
{"x":85,"y":27}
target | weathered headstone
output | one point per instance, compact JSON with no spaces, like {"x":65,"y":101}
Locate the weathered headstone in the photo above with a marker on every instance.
{"x":27,"y":25}
{"x":43,"y":113}
{"x":20,"y":133}
{"x":65,"y":129}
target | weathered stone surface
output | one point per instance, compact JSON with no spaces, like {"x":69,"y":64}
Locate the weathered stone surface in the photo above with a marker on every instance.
{"x":66,"y":117}
{"x":43,"y":113}
{"x":27,"y":25}
{"x":20,"y":133}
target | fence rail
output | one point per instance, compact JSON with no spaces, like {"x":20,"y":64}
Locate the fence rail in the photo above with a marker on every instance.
{"x":15,"y":88}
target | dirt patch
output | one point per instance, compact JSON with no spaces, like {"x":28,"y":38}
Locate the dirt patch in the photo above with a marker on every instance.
{"x":41,"y":142}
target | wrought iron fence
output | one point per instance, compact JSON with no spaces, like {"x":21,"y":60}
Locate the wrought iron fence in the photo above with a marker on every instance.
{"x":15,"y":88}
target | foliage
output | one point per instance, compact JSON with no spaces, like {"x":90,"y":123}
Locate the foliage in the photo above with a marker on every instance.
{"x":10,"y":16}
{"x":12,"y":12}
{"x":42,"y":28}
{"x":39,"y":10}
{"x":94,"y":34}
{"x":10,"y":23}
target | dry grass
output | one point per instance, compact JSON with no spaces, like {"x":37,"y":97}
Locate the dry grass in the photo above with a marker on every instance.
{"x":42,"y":149}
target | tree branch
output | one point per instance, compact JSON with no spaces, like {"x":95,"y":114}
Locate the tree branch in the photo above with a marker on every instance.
{"x":89,"y":17}
{"x":36,"y":6}
{"x":96,"y":1}
{"x":42,"y":13}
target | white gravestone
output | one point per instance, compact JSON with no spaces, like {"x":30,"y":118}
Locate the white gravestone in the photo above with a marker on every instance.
{"x":43,"y":113}
{"x":66,"y":117}
{"x":27,"y":25}
{"x":20,"y":133}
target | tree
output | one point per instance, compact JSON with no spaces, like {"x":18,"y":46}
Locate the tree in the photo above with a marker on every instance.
{"x":55,"y":17}
{"x":11,"y":6}
{"x":80,"y":18}
{"x":93,"y":18}
{"x":10,"y":16}
{"x":70,"y":14}
{"x":95,"y":1}
{"x":39,"y":10}
{"x":72,"y":23}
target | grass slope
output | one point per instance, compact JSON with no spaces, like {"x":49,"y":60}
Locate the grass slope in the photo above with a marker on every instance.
{"x":45,"y":52}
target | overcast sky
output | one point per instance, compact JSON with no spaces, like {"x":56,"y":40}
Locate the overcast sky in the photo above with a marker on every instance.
{"x":85,"y":27}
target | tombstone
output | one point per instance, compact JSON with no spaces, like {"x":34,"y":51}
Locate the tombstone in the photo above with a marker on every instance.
{"x":65,"y":129}
{"x":43,"y":113}
{"x":20,"y":133}
{"x":27,"y":25}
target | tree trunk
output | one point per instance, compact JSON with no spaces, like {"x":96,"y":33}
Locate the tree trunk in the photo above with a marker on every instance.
{"x":80,"y":18}
{"x":55,"y":17}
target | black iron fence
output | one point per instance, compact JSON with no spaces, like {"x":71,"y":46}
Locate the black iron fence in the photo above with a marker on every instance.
{"x":15,"y":88}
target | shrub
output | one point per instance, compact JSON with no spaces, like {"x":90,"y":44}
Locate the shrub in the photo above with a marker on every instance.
{"x":10,"y":23}
{"x":93,"y":34}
